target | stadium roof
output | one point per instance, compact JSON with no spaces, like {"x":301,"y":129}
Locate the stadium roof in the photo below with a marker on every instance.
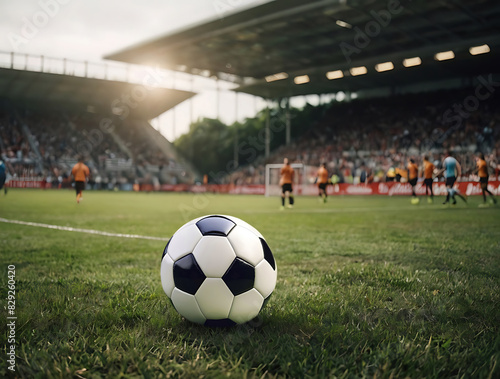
{"x":40,"y":90}
{"x":296,"y":37}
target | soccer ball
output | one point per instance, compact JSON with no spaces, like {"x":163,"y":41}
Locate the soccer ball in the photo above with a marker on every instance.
{"x":218,"y":271}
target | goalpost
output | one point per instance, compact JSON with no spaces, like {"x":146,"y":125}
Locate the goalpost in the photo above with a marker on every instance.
{"x":272,"y":178}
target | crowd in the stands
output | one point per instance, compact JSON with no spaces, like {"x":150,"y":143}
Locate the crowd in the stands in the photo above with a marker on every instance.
{"x":362,"y":140}
{"x":46,"y":144}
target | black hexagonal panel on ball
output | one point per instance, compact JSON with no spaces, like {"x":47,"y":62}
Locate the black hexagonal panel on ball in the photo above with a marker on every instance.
{"x":188,"y":276}
{"x":215,"y":226}
{"x":239,"y":277}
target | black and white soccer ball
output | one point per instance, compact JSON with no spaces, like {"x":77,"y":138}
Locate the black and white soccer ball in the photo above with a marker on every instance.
{"x":218,"y":271}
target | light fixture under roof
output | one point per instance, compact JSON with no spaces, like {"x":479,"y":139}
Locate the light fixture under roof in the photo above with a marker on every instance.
{"x":361,"y":70}
{"x":275,"y":77}
{"x":337,"y":74}
{"x":410,"y":62}
{"x":343,"y":24}
{"x":302,"y":79}
{"x":476,"y":50}
{"x":444,"y":55}
{"x":386,"y":66}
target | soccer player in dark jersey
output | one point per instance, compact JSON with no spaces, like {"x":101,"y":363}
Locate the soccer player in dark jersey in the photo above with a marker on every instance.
{"x":428,"y":172}
{"x":3,"y":176}
{"x":286,"y":182}
{"x":482,"y":172}
{"x":322,"y":180}
{"x":81,"y":173}
{"x":412,"y":178}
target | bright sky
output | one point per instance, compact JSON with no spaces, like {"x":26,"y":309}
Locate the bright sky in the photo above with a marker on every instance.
{"x":87,"y":30}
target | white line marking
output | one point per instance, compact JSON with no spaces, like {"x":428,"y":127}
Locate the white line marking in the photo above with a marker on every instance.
{"x":80,"y":230}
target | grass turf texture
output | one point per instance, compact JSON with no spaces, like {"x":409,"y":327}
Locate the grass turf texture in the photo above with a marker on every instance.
{"x":367,"y":286}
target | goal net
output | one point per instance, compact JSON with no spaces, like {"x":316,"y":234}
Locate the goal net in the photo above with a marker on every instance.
{"x":303,"y":175}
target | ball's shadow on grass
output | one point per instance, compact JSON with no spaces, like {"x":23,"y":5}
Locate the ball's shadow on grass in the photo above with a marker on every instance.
{"x":269,"y":330}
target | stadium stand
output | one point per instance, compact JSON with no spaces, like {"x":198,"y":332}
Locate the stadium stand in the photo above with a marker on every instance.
{"x":41,"y":145}
{"x":361,"y":140}
{"x":283,"y":49}
{"x":273,"y":45}
{"x":45,"y":129}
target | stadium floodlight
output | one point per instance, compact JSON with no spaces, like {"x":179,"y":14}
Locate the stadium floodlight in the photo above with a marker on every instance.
{"x":302,"y":79}
{"x":343,"y":24}
{"x":275,"y":77}
{"x":386,"y":66}
{"x":444,"y":55}
{"x":361,"y":70}
{"x":337,"y":74}
{"x":476,"y":50}
{"x":410,"y":62}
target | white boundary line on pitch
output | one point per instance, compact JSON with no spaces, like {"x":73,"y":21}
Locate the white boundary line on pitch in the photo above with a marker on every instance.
{"x":80,"y":230}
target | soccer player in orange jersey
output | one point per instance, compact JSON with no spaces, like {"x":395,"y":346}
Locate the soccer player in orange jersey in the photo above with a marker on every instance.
{"x":322,"y":180}
{"x":412,"y":177}
{"x":482,"y":172}
{"x":81,"y":173}
{"x":428,"y":172}
{"x":286,"y":181}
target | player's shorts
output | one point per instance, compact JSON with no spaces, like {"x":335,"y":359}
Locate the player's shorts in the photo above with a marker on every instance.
{"x":287,"y":187}
{"x":79,"y":186}
{"x":483,"y":180}
{"x":450,"y":181}
{"x":428,"y":182}
{"x":322,"y":186}
{"x":413,"y":182}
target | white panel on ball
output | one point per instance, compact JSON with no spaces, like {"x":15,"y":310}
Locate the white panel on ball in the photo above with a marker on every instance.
{"x":183,"y":241}
{"x":214,"y":255}
{"x":214,"y":299}
{"x":246,"y":245}
{"x":265,"y":278}
{"x":244,"y":224}
{"x":246,"y":306}
{"x":167,"y":276}
{"x":187,"y":306}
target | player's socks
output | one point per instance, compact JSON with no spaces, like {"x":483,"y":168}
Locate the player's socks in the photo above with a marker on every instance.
{"x":489,"y":193}
{"x":291,"y":201}
{"x":447,"y":198}
{"x":282,"y":201}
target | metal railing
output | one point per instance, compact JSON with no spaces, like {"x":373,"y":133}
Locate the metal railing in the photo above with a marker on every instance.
{"x":117,"y":71}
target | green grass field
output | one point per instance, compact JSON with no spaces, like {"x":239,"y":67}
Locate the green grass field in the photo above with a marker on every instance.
{"x":367,"y":287}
